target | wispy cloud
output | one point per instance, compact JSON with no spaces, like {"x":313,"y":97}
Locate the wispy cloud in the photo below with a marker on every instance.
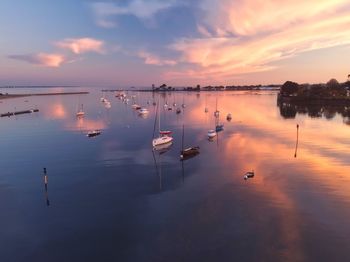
{"x":142,"y":9}
{"x":151,"y":59}
{"x":82,"y":45}
{"x":246,"y":36}
{"x":42,"y":59}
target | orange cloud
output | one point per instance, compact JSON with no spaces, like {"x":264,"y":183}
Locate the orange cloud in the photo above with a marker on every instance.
{"x":82,"y":45}
{"x":42,"y":59}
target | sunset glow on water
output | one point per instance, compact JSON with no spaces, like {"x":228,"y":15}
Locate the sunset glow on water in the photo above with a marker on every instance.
{"x":112,"y":197}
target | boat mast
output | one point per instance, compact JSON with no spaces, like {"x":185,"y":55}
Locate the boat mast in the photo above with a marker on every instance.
{"x":155,"y":122}
{"x":183,"y":136}
{"x":158,"y":114}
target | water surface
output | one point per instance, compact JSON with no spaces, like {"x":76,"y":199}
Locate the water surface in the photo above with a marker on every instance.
{"x":112,"y":198}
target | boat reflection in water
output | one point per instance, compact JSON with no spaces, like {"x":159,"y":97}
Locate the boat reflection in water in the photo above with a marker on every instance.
{"x":162,"y":148}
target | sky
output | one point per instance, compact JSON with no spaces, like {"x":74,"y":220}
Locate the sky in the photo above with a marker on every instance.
{"x":124,"y":43}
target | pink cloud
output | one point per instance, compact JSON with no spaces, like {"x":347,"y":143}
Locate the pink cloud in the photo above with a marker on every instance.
{"x":151,"y":59}
{"x":247,"y":36}
{"x":82,"y":45}
{"x":42,"y":59}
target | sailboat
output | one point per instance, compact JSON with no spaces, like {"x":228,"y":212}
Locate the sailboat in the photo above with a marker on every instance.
{"x":103,"y":99}
{"x":206,"y":108}
{"x":188,"y":152}
{"x":218,"y":127}
{"x":211,"y":133}
{"x":217,"y":112}
{"x":81,"y":112}
{"x":163,"y":137}
{"x":183,"y":101}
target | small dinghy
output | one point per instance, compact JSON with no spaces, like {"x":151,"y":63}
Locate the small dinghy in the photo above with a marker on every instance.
{"x":249,"y":174}
{"x":93,"y":133}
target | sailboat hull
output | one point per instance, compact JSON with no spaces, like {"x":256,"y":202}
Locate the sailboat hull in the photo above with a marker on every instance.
{"x":162,"y":140}
{"x":189,"y":152}
{"x":211,"y":133}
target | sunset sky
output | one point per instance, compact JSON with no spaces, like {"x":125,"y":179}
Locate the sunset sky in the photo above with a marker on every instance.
{"x":179,"y":42}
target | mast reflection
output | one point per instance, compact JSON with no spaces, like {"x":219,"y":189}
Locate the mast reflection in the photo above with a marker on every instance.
{"x":160,"y":150}
{"x":297,"y":142}
{"x":46,"y":181}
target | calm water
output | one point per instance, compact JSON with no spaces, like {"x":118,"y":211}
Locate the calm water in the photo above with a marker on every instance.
{"x":110,"y":198}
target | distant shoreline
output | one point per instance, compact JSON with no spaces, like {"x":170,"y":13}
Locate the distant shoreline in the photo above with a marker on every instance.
{"x":8,"y":96}
{"x":189,"y":90}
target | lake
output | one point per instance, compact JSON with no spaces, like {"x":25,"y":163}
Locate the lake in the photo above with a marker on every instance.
{"x":112,"y":198}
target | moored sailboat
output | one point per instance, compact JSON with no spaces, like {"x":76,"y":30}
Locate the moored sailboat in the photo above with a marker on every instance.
{"x":188,"y":152}
{"x":164,"y":136}
{"x":81,"y":112}
{"x":211,"y":133}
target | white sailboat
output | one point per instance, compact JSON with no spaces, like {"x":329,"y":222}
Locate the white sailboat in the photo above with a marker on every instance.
{"x":183,"y":101}
{"x":81,"y":112}
{"x":217,"y":112}
{"x":162,"y":139}
{"x":206,"y":108}
{"x":211,"y":133}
